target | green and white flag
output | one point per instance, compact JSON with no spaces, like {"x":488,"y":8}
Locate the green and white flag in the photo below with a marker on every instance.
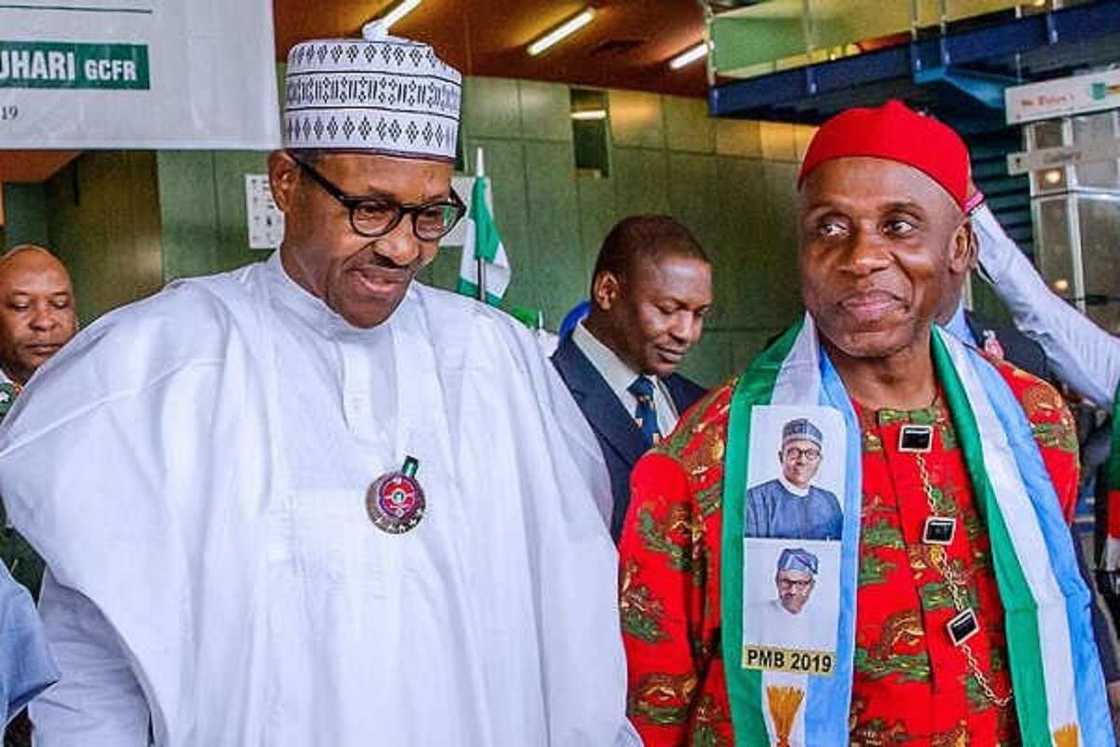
{"x":483,"y":242}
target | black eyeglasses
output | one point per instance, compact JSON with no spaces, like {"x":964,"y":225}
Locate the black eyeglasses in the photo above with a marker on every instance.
{"x":810,"y":455}
{"x":373,"y":217}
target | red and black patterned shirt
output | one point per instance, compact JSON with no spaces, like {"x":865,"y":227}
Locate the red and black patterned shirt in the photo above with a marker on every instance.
{"x":911,"y":684}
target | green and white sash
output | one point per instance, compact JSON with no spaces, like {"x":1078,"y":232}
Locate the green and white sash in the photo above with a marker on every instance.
{"x":1055,"y":670}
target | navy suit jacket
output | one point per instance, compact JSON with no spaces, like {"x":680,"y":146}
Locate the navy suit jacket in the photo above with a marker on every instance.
{"x":619,"y":438}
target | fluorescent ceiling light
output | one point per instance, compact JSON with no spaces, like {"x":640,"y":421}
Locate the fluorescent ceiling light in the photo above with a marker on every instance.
{"x":689,"y":56}
{"x":402,"y":9}
{"x":561,"y":32}
{"x":590,"y":114}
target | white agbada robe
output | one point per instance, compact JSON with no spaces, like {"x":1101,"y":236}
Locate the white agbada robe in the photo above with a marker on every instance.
{"x":193,"y":468}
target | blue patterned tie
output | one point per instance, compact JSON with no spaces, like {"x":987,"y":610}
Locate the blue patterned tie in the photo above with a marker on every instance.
{"x":645,"y":414}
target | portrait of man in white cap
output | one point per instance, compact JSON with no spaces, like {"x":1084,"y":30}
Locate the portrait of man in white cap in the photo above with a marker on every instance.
{"x":790,"y":506}
{"x":328,"y":505}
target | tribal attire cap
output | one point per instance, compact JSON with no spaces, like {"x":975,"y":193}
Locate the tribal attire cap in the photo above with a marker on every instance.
{"x":797,"y":559}
{"x":380,"y":93}
{"x":801,"y":429}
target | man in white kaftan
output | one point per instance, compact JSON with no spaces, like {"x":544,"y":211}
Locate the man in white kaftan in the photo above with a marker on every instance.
{"x":194,"y":470}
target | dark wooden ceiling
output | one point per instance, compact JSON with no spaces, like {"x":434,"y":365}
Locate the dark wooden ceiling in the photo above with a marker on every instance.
{"x":627,"y":45}
{"x":32,"y":165}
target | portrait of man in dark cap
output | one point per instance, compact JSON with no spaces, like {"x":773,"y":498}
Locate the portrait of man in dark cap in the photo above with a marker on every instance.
{"x":795,"y":601}
{"x":789,"y":506}
{"x":795,"y":578}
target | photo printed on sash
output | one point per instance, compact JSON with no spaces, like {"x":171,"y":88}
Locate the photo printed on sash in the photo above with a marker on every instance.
{"x":793,"y":522}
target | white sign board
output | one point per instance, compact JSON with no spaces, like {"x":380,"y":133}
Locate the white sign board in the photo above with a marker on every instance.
{"x":1067,"y":155}
{"x":266,"y":222}
{"x":1080,"y":94}
{"x":79,"y":74}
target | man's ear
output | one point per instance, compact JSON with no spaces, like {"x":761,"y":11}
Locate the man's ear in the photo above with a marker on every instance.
{"x":605,"y":289}
{"x":283,"y":178}
{"x":962,"y":249}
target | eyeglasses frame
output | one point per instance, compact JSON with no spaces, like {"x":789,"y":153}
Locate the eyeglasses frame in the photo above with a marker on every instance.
{"x":351,"y":203}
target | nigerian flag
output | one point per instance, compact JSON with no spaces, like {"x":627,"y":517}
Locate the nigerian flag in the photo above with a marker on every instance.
{"x":483,"y":242}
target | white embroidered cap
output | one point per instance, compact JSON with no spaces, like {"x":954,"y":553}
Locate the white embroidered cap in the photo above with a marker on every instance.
{"x":379,"y":93}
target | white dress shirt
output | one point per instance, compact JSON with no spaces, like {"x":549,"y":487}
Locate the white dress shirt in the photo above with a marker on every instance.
{"x":620,"y":376}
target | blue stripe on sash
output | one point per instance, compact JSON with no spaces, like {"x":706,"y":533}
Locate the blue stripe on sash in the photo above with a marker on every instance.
{"x":827,"y":722}
{"x":1096,"y":725}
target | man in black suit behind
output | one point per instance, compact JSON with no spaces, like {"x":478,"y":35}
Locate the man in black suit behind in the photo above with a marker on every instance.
{"x":650,"y":290}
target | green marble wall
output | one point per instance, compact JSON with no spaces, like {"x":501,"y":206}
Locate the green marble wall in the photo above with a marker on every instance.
{"x":100,"y":215}
{"x":25,"y":215}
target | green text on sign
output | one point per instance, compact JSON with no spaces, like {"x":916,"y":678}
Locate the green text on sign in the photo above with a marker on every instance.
{"x":70,"y":65}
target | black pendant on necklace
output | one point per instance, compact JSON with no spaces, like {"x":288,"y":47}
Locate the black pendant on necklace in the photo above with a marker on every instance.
{"x":939,"y":530}
{"x":963,"y":626}
{"x":915,"y":439}
{"x":395,"y":501}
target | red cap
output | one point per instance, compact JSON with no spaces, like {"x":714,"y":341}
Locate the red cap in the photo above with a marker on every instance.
{"x":894,"y":132}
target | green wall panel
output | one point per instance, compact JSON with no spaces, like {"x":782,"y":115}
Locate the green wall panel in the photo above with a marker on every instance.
{"x":443,"y":272}
{"x":738,"y":138}
{"x":694,"y":200}
{"x":205,"y":229}
{"x":189,"y":214}
{"x":557,"y":255}
{"x":709,"y":362}
{"x":781,"y":268}
{"x":26,"y":215}
{"x":491,"y":108}
{"x":597,"y":215}
{"x":694,"y":196}
{"x":636,"y":119}
{"x":641,"y":177}
{"x":778,"y":142}
{"x":230,"y":169}
{"x":746,"y":344}
{"x":744,"y":230}
{"x":104,"y":225}
{"x":545,"y":111}
{"x":688,"y":126}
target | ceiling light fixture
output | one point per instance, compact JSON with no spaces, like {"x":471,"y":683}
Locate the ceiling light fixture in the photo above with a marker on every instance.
{"x":401,"y":10}
{"x":561,"y":32}
{"x":590,"y":114}
{"x":689,"y":56}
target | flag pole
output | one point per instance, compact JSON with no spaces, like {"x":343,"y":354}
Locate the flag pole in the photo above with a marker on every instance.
{"x":480,"y":172}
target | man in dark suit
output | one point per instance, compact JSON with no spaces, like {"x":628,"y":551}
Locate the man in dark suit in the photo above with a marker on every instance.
{"x":650,"y":291}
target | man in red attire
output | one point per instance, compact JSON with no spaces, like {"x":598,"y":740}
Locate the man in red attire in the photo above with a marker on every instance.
{"x":882,"y":232}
